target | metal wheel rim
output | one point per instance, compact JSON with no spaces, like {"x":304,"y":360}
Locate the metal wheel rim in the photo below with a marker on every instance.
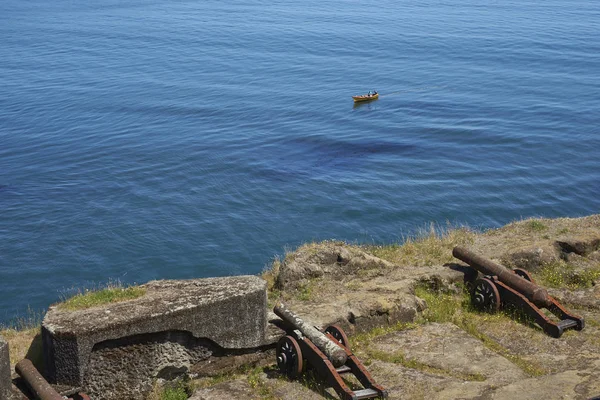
{"x":338,"y":334}
{"x":485,"y":295}
{"x":289,"y":357}
{"x":523,"y":274}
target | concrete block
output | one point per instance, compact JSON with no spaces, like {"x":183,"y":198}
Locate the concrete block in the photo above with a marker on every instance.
{"x":174,"y":325}
{"x":5,"y":380}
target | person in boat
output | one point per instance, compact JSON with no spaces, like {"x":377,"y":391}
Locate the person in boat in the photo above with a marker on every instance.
{"x":369,"y":94}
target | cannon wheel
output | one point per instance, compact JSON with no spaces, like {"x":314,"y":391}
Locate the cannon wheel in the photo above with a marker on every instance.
{"x":289,"y":357}
{"x":523,"y":274}
{"x":339,"y":335}
{"x":485,"y":295}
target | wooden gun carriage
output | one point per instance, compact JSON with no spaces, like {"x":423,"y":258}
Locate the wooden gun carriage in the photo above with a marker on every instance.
{"x":501,"y":286}
{"x":327,"y":352}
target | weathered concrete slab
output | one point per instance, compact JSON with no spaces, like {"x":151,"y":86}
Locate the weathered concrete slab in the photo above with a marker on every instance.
{"x":5,"y":381}
{"x":448,"y":348}
{"x":119,"y":346}
{"x":564,"y":385}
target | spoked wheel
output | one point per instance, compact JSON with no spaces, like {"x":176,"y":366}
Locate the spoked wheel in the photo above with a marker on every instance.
{"x":485,"y":295}
{"x":523,"y":274}
{"x":339,"y":335}
{"x":289,"y":357}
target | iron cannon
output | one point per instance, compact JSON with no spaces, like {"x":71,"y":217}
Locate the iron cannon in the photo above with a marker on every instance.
{"x":327,"y":352}
{"x":501,"y":287}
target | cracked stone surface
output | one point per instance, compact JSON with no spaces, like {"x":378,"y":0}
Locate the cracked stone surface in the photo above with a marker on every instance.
{"x":447,"y":347}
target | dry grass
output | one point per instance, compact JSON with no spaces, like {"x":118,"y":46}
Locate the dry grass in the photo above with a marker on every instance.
{"x":432,"y":247}
{"x":21,"y":343}
{"x":24,"y":338}
{"x":538,"y":232}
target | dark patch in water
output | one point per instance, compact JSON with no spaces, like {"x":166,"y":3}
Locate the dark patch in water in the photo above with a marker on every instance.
{"x":345,"y":148}
{"x":335,"y":153}
{"x":316,"y":155}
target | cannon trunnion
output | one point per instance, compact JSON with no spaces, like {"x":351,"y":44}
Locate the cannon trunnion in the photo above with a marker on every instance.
{"x":501,"y":287}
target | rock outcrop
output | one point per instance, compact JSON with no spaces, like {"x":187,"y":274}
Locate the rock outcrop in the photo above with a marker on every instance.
{"x":409,"y":322}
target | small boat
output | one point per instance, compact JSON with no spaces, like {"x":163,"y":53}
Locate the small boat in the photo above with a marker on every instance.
{"x":366,"y":97}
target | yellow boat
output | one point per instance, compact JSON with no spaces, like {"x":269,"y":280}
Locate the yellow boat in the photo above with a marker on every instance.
{"x":366,"y":97}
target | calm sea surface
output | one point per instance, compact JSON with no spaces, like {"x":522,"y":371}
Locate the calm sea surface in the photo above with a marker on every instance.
{"x":148,"y":139}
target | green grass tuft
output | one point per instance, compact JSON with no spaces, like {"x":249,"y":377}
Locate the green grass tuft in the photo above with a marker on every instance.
{"x":113,"y":293}
{"x":536,"y":225}
{"x":174,"y":393}
{"x":560,"y":274}
{"x":259,"y":385}
{"x":443,"y":307}
{"x":429,"y":247}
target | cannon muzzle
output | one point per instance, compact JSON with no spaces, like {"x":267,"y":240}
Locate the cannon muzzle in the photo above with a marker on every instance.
{"x":334,"y":353}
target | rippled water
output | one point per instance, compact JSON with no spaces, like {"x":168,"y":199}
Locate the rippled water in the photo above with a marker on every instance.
{"x":143,"y":140}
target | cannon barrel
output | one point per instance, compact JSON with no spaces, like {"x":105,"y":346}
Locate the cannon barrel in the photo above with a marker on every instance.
{"x":535,"y":294}
{"x":334,"y":353}
{"x":40,"y":387}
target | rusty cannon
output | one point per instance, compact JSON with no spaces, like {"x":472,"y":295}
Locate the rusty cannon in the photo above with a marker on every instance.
{"x":501,"y":286}
{"x":327,"y":352}
{"x":39,"y":387}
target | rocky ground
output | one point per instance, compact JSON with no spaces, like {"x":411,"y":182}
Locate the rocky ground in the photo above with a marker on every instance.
{"x":408,"y":314}
{"x":407,"y":311}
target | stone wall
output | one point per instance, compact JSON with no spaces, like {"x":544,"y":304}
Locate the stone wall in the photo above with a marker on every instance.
{"x":117,"y":365}
{"x":116,"y":351}
{"x":5,"y":381}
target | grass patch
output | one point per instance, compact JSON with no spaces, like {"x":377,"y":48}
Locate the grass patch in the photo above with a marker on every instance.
{"x":21,"y":344}
{"x":592,"y":322}
{"x":306,"y":292}
{"x":442,"y":307}
{"x":354,"y":285}
{"x":113,"y":293}
{"x":24,"y":337}
{"x":174,"y":393}
{"x":428,"y":247}
{"x":535,"y":225}
{"x":560,"y":274}
{"x":259,"y":385}
{"x":210,"y":381}
{"x":171,"y":391}
{"x":270,"y":274}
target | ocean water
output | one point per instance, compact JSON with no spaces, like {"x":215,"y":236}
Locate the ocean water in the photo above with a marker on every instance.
{"x":144,"y":139}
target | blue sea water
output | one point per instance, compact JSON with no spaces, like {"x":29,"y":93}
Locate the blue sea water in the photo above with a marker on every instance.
{"x":144,"y":139}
